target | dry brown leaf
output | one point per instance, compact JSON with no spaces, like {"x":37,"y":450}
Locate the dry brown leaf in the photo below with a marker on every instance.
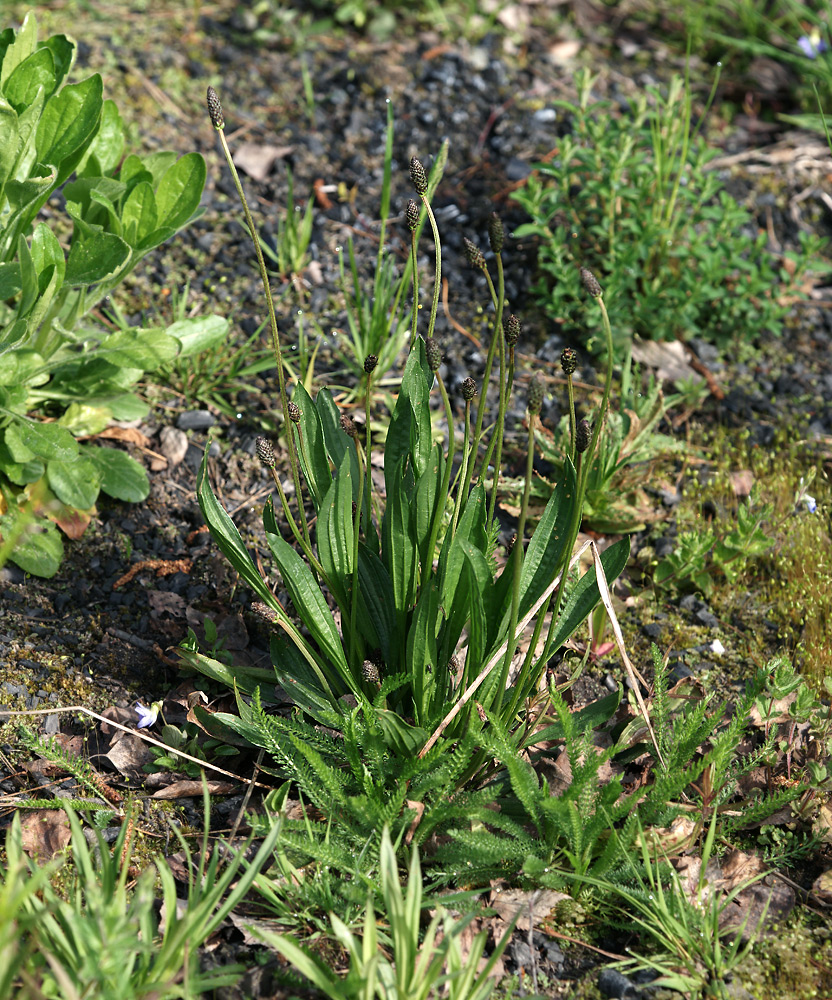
{"x":73,"y":523}
{"x":822,"y":887}
{"x":184,"y":789}
{"x":257,"y":159}
{"x":741,"y":482}
{"x":45,"y":832}
{"x":128,"y":754}
{"x":130,"y":435}
{"x":537,"y":904}
{"x":822,"y":825}
{"x":165,"y":602}
{"x":419,"y":808}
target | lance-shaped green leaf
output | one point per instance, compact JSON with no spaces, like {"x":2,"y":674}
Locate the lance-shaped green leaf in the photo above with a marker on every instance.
{"x":479,"y":581}
{"x":427,"y":502}
{"x":27,"y":439}
{"x":312,"y":450}
{"x":421,"y":654}
{"x":398,"y":549}
{"x":9,"y":141}
{"x":180,"y":190}
{"x":306,"y":595}
{"x":35,"y":73}
{"x":139,"y":214}
{"x":106,"y":149}
{"x":545,"y":550}
{"x":376,"y":591}
{"x":585,"y":595}
{"x":334,"y":534}
{"x":337,"y":442}
{"x":38,"y":549}
{"x":25,"y":40}
{"x":63,"y":51}
{"x":225,"y":534}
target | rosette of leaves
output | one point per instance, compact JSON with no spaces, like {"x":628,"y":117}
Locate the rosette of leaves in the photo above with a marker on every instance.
{"x":397,"y":608}
{"x":61,"y":377}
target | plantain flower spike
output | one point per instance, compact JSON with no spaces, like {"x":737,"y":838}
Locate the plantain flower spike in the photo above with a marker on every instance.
{"x":265,"y":452}
{"x":411,"y":215}
{"x":433,"y":352}
{"x":215,"y":110}
{"x":535,"y":400}
{"x":568,"y":360}
{"x":590,"y":282}
{"x":496,"y":232}
{"x":473,"y":253}
{"x":468,"y":388}
{"x":418,"y":176}
{"x":511,"y":329}
{"x":348,"y":426}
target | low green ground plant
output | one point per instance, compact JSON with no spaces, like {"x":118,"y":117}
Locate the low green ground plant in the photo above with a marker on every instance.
{"x":422,"y":962}
{"x":408,"y":571}
{"x":629,"y":196}
{"x":290,"y":254}
{"x":63,"y":376}
{"x":104,"y":938}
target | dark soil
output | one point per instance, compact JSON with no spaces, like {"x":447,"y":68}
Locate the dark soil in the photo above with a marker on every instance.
{"x":84,"y":637}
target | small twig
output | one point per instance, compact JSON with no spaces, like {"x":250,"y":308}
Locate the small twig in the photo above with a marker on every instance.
{"x":635,"y":676}
{"x":247,"y":796}
{"x":132,"y":732}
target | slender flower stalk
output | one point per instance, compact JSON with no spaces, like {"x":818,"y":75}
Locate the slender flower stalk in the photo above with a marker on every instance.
{"x":535,"y":402}
{"x":218,"y":121}
{"x":420,"y":182}
{"x":468,"y":390}
{"x":585,"y":457}
{"x":434,"y":358}
{"x":265,"y":452}
{"x":411,"y":215}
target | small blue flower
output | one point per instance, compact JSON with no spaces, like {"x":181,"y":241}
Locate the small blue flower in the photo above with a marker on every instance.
{"x":812,"y":45}
{"x":811,"y":503}
{"x":147,"y":716}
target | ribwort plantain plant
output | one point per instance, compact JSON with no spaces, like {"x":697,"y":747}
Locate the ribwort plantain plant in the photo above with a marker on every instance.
{"x":400,"y":606}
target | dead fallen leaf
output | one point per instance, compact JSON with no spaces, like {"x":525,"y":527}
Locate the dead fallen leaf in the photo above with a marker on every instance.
{"x":165,"y":602}
{"x":419,"y":808}
{"x":539,"y":904}
{"x":173,"y":444}
{"x":45,"y":832}
{"x":669,"y":359}
{"x":741,"y":482}
{"x":73,"y":523}
{"x":257,"y":159}
{"x":822,"y":887}
{"x":822,"y":825}
{"x":184,"y":789}
{"x":738,"y":867}
{"x":128,"y":754}
{"x":130,"y":435}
